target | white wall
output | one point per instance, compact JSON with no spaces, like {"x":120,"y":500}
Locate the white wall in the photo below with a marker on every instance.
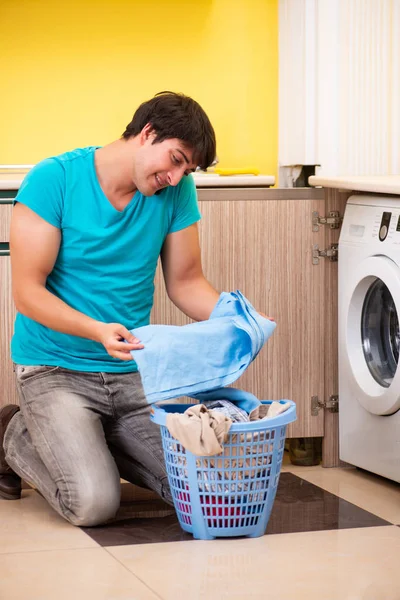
{"x":339,"y":85}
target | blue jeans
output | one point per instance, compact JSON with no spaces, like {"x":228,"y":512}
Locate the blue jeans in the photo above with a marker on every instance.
{"x":77,"y":433}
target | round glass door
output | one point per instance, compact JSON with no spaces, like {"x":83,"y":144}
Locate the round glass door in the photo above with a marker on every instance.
{"x":371,"y":340}
{"x":380,"y":333}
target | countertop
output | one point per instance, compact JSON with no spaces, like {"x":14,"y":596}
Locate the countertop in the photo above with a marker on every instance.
{"x":378,"y":184}
{"x":213,"y":180}
{"x":12,"y":181}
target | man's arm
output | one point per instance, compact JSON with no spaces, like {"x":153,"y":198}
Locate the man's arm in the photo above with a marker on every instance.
{"x":34,"y":246}
{"x":186,"y":285}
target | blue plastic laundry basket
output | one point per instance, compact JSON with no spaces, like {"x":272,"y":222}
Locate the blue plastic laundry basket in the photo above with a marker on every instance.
{"x":230,"y":494}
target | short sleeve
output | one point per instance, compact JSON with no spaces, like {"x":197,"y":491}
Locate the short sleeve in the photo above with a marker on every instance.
{"x":42,"y":190}
{"x":186,"y":209}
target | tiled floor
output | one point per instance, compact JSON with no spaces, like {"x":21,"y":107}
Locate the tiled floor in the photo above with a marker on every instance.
{"x":333,"y":535}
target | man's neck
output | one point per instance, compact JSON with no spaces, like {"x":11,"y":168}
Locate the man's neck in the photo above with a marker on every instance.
{"x":114,"y":174}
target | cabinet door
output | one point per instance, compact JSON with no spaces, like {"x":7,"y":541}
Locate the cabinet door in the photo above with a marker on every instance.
{"x":8,"y":392}
{"x":264,"y":249}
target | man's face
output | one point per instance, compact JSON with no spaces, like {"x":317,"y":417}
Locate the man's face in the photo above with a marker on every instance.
{"x":161,"y":164}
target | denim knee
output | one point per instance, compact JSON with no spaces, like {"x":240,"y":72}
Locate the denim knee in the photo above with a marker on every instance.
{"x":94,"y":506}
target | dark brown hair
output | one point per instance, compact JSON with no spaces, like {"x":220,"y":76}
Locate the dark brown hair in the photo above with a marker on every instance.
{"x":174,"y":115}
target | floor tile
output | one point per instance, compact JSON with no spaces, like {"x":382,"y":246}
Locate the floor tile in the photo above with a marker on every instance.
{"x":138,"y":531}
{"x":366,"y":490}
{"x":86,"y":574}
{"x":140,"y":503}
{"x":299,"y":506}
{"x":30,"y":524}
{"x":350,"y":564}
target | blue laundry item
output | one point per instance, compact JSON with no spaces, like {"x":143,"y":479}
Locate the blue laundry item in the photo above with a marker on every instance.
{"x":243,"y":400}
{"x":190,"y":359}
{"x":228,"y":409}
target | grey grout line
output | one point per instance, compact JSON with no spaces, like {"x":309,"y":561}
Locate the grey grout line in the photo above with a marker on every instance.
{"x":99,"y":547}
{"x":77,"y":549}
{"x":49,"y":550}
{"x":132,"y":573}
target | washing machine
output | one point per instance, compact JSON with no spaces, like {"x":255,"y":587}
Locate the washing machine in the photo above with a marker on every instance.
{"x":369,"y":336}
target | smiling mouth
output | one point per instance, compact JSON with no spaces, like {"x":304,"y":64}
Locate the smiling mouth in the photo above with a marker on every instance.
{"x":160,"y":183}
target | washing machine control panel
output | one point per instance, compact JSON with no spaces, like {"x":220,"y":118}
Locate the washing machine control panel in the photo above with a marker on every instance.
{"x":380,"y":225}
{"x":372,"y":219}
{"x":386,"y":226}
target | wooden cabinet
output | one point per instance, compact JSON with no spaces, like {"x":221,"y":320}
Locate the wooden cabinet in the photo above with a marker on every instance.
{"x":261,"y":242}
{"x":8,"y":392}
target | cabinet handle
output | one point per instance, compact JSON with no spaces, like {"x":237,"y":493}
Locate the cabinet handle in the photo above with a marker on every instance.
{"x":4,"y":249}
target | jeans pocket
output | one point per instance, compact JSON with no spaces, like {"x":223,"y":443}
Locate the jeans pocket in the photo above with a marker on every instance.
{"x":25,"y":373}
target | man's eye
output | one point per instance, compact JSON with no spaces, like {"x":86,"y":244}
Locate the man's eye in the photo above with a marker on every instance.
{"x":175,"y":160}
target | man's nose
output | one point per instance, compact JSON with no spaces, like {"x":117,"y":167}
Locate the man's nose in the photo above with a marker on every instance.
{"x":174,"y":177}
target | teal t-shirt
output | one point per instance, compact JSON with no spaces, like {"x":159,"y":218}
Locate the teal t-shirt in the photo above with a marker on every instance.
{"x":107,"y":259}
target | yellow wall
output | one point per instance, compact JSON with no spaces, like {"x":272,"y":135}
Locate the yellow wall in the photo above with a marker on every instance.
{"x":73,"y":72}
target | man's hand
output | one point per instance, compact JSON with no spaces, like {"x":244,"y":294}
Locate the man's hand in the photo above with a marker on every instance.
{"x":265,"y":316}
{"x":112,"y":336}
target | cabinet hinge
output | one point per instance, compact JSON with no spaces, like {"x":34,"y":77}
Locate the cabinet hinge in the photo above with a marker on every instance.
{"x":331,"y":253}
{"x":332,"y":405}
{"x":334,"y":220}
{"x":4,"y":249}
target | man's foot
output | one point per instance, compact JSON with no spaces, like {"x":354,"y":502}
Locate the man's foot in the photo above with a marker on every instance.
{"x":10,"y":487}
{"x":10,"y":482}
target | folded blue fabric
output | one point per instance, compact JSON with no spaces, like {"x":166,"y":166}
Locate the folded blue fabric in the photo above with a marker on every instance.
{"x":190,"y":359}
{"x":243,"y":400}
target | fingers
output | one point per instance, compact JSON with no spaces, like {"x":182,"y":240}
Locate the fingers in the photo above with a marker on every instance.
{"x":125,"y":347}
{"x":122,"y":350}
{"x":128,"y":336}
{"x":266,"y":317}
{"x":118,"y":341}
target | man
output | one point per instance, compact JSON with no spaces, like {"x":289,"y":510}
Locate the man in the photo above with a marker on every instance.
{"x":87,"y":230}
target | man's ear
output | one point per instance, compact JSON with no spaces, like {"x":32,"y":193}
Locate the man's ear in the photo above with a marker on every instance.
{"x":147,"y":133}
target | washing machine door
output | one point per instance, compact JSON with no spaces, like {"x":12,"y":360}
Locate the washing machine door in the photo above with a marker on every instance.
{"x":373,"y":336}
